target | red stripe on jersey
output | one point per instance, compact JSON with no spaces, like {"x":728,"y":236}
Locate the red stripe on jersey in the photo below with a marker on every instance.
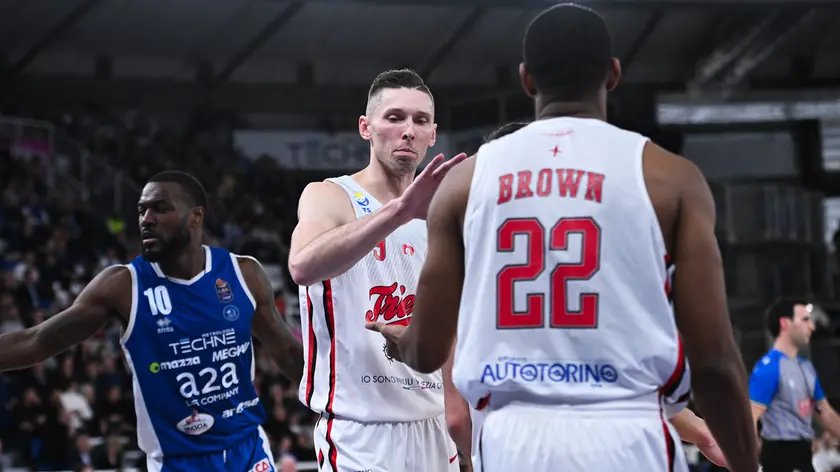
{"x":453,"y":458}
{"x":670,"y":445}
{"x":673,"y":381}
{"x":668,"y":265}
{"x":329,"y":314}
{"x":312,"y":357}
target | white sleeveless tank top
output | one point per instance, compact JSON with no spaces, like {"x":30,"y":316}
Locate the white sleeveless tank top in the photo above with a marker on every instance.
{"x":566,"y":290}
{"x":347,"y":373}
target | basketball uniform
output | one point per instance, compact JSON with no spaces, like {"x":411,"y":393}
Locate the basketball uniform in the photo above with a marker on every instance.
{"x":567,"y":344}
{"x":188,"y":345}
{"x":377,"y":415}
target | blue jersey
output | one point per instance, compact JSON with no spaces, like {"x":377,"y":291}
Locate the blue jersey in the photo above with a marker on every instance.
{"x":789,"y":388}
{"x":188,"y":344}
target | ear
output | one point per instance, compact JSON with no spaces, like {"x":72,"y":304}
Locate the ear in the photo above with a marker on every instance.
{"x":613,"y":75}
{"x":784,"y":323}
{"x":434,"y":135}
{"x":197,"y":217}
{"x":527,"y":81}
{"x":364,"y":128}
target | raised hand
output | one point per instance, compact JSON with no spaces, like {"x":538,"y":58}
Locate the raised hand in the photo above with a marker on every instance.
{"x":418,"y":195}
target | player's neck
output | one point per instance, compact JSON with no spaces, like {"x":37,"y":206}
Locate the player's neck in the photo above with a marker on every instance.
{"x":552,"y":109}
{"x":187,"y":265}
{"x":786,"y":347}
{"x":382,"y":184}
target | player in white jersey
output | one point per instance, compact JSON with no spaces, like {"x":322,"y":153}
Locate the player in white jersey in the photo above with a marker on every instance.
{"x":559,"y":237}
{"x":356,"y":253}
{"x":464,"y":422}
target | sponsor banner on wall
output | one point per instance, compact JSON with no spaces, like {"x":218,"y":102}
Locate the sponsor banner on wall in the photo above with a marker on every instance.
{"x":317,"y":150}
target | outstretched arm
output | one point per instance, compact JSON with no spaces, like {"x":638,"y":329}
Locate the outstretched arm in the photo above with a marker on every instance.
{"x":268,"y":326}
{"x":718,"y":375}
{"x":328,"y":239}
{"x":106,"y":297}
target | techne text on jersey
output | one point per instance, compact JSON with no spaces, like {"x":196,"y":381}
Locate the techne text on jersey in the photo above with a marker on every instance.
{"x":566,"y":183}
{"x":548,"y":371}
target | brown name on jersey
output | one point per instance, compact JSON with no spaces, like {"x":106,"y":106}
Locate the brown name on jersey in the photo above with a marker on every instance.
{"x":565,"y":183}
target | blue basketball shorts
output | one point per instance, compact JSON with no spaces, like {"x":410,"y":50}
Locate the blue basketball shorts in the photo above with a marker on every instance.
{"x":251,"y":455}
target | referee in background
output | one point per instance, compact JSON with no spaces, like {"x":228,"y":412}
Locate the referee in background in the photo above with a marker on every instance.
{"x":785,"y":392}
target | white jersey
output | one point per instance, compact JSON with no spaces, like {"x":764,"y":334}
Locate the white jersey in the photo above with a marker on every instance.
{"x":566,"y":288}
{"x":347,"y":373}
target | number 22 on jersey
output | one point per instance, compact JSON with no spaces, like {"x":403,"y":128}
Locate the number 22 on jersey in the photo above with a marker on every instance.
{"x":561,"y":274}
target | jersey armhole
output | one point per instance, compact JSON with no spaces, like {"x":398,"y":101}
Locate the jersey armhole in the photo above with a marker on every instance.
{"x":348,"y":192}
{"x":132,"y":316}
{"x":640,"y":180}
{"x":242,"y":283}
{"x":474,"y":183}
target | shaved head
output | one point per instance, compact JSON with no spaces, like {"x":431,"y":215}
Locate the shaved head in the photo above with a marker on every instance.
{"x":394,"y":79}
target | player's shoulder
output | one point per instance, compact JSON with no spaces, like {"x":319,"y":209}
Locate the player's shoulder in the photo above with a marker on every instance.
{"x":768,"y":363}
{"x":325,"y":199}
{"x":670,"y":163}
{"x":112,"y":282}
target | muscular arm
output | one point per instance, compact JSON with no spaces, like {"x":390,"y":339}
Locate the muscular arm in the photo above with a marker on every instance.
{"x":427,"y":341}
{"x":458,"y":420}
{"x":718,"y":374}
{"x":104,"y":298}
{"x":268,"y":326}
{"x":328,"y":240}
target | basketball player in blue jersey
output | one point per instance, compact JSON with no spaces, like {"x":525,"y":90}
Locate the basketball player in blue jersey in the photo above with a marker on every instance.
{"x":187,"y":312}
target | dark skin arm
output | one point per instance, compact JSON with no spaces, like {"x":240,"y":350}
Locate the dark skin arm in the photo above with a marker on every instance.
{"x":426,"y":343}
{"x":718,"y":374}
{"x":102,"y":300}
{"x":268,"y":326}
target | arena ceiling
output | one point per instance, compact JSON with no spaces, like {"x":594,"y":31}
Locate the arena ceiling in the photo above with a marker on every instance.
{"x":711,"y":44}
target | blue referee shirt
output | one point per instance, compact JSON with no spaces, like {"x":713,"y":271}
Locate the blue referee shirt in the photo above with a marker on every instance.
{"x":789,"y":388}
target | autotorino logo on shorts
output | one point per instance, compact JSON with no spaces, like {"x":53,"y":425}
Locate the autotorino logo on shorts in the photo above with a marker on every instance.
{"x":406,"y":383}
{"x":527,"y":371}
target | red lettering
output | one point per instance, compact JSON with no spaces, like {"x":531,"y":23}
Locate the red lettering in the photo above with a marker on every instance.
{"x":594,"y":186}
{"x":523,"y":186}
{"x":505,"y":188}
{"x":570,"y":182}
{"x":544,"y":182}
{"x":388,"y":306}
{"x":379,"y":251}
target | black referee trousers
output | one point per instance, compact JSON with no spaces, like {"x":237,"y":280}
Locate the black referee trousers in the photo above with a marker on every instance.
{"x":786,"y":456}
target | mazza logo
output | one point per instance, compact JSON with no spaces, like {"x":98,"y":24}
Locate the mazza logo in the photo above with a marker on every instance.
{"x":156,"y":367}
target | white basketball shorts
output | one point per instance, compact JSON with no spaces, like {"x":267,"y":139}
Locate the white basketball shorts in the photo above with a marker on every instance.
{"x":344,"y":445}
{"x":544,"y":439}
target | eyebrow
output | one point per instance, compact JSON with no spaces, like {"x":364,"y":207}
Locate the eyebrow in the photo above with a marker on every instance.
{"x":403,"y":110}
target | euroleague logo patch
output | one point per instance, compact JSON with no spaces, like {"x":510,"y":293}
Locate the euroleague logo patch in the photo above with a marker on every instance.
{"x":223,"y":291}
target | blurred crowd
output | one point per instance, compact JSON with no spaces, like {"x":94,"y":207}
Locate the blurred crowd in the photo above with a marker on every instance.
{"x":76,"y":411}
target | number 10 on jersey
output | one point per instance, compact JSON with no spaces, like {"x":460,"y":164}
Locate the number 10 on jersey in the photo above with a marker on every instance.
{"x":561,"y":274}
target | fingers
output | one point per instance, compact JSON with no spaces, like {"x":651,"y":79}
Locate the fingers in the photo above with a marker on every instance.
{"x":375,"y":326}
{"x":433,"y":165}
{"x":444,"y":168}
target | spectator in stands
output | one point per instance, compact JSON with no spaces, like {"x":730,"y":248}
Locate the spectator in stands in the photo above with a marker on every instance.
{"x":108,"y":455}
{"x":81,"y":452}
